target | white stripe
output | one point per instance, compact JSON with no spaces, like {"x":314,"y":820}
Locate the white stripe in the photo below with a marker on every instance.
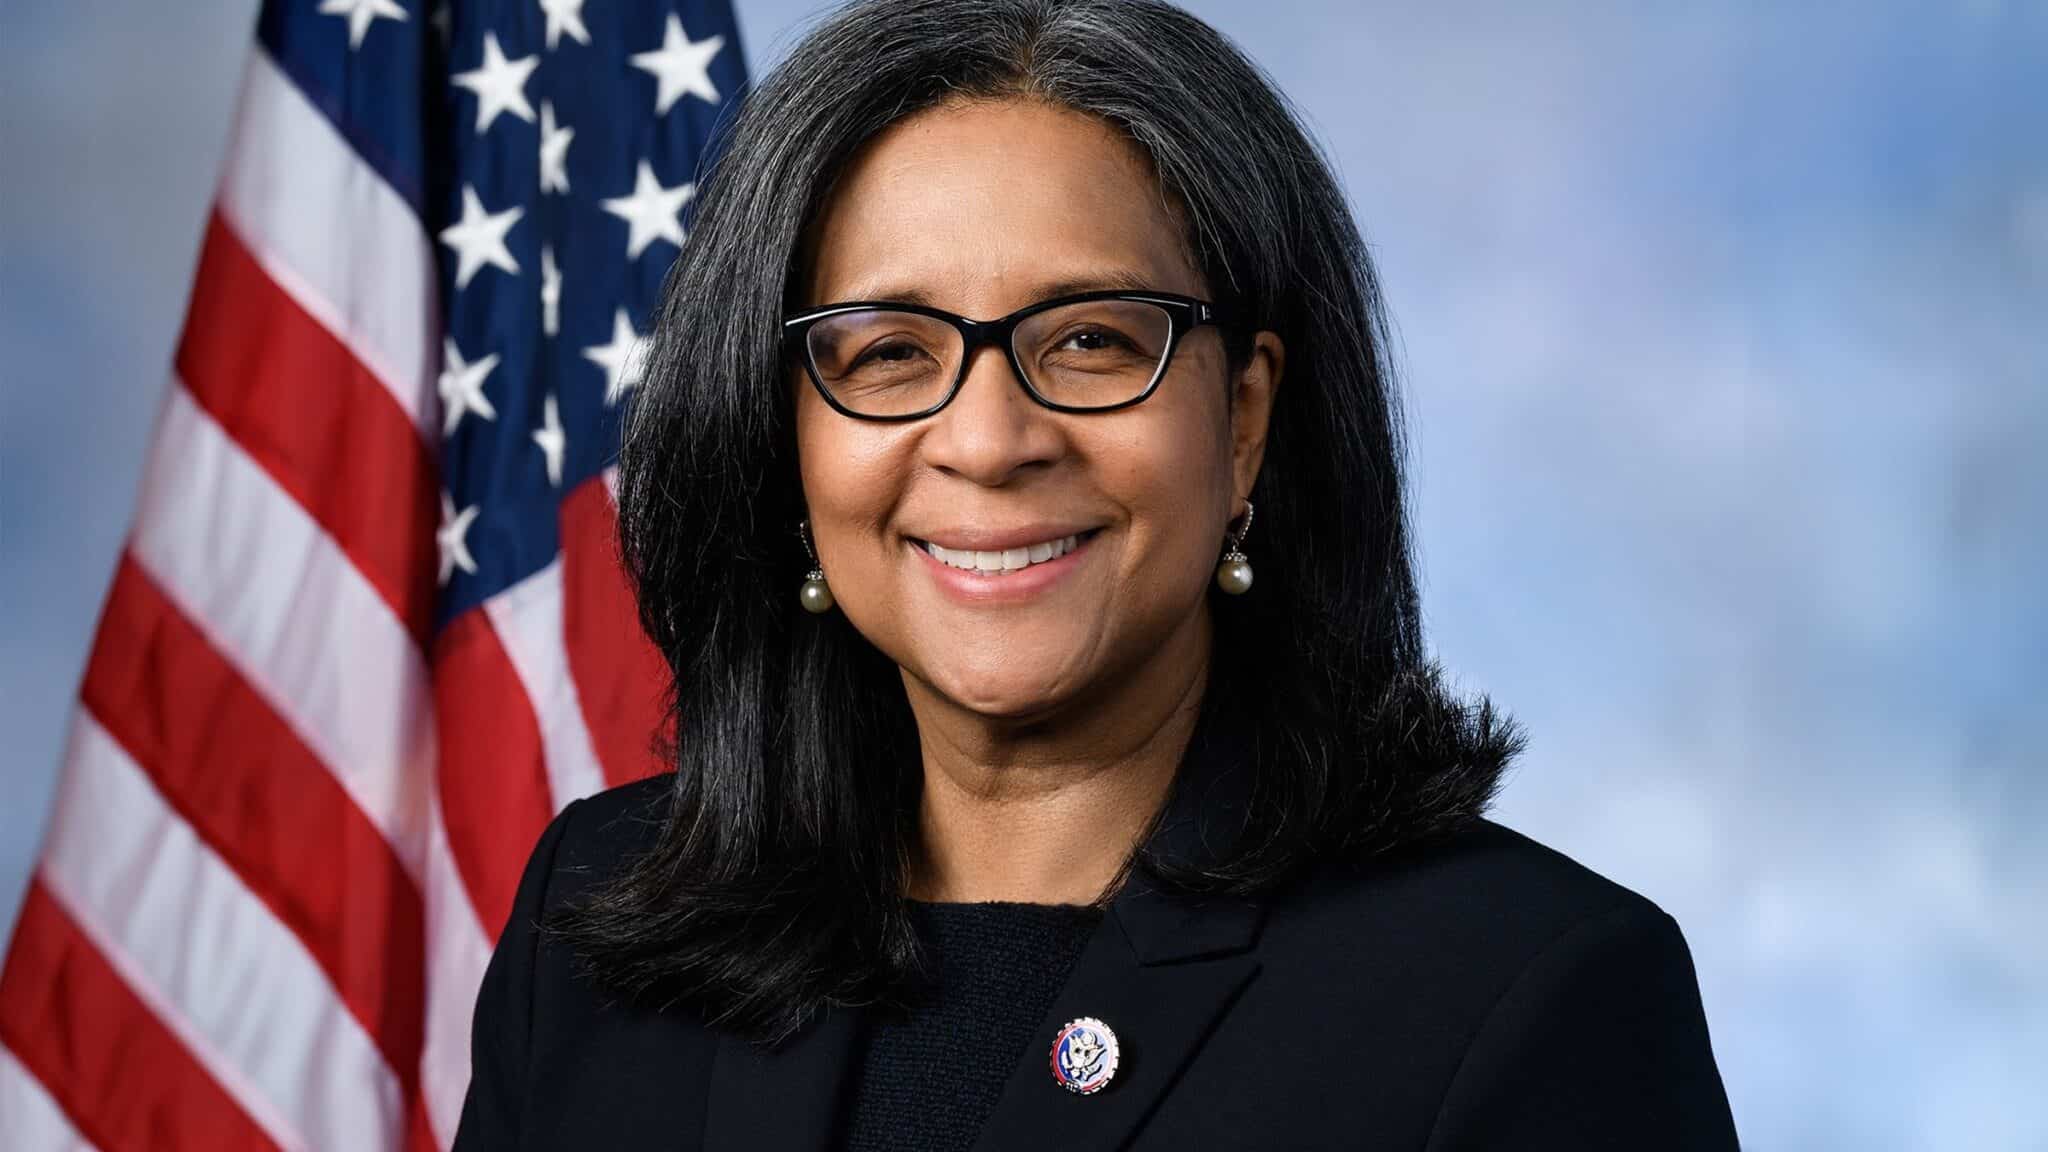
{"x":457,"y":953}
{"x":29,"y":1120}
{"x":209,"y":959}
{"x":327,"y":228}
{"x":281,"y":602}
{"x":528,"y":619}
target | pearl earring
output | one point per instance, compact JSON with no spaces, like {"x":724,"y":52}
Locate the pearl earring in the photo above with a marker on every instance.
{"x":815,"y":595}
{"x":1234,"y":571}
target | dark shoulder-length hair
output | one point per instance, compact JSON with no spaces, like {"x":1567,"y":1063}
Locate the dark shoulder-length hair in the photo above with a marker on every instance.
{"x":776,"y":884}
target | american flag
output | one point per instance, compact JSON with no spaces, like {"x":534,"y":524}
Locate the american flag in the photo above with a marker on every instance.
{"x":370,"y":630}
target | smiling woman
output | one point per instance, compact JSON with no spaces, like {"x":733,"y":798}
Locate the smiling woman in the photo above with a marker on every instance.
{"x":998,"y":781}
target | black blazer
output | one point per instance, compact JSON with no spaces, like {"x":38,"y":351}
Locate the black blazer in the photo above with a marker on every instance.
{"x":1471,"y":990}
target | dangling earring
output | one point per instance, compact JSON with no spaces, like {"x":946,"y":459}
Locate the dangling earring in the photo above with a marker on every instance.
{"x":1234,"y":571}
{"x":815,"y":595}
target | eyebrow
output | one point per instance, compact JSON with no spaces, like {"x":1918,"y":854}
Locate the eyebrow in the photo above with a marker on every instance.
{"x":1120,"y":279}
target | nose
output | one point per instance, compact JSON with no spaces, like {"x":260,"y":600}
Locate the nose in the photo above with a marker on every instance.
{"x":992,"y":432}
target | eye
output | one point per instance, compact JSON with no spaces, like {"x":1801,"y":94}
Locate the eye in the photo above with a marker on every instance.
{"x":888,"y":352}
{"x":1096,"y":338}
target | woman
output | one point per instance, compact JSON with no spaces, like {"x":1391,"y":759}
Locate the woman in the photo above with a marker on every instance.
{"x":1010,"y":810}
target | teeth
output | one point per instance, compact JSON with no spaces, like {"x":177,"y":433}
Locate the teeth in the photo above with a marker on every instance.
{"x":1008,"y":560}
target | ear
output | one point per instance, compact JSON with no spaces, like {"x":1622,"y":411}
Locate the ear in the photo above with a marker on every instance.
{"x":1251,"y":411}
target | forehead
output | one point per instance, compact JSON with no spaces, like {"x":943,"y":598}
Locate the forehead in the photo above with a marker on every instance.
{"x":981,"y":206}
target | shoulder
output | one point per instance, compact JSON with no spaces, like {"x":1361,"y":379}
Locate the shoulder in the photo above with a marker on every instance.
{"x":1509,"y":993}
{"x":1466,"y":914}
{"x":544,"y":1038}
{"x":1483,"y":878}
{"x":594,"y":838}
{"x":1566,"y":1005}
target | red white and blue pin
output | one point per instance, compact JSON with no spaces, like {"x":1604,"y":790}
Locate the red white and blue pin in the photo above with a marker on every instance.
{"x":1084,"y":1055}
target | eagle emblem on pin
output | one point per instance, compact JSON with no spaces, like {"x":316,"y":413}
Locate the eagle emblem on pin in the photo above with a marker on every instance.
{"x":1084,"y":1055}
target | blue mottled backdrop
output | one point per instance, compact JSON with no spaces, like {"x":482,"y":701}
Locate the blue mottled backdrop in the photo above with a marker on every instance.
{"x":1725,"y":336}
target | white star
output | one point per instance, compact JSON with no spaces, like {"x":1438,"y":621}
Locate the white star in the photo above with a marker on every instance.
{"x":479,"y":237}
{"x":565,"y":16}
{"x":652,"y":211}
{"x":500,"y":84}
{"x":554,"y":151}
{"x":360,"y":13}
{"x":681,"y":66}
{"x":551,"y":440}
{"x":620,"y":359}
{"x":452,"y":538}
{"x":462,"y":386}
{"x":550,"y":292}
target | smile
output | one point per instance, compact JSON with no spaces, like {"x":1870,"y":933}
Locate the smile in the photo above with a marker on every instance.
{"x":1008,"y":559}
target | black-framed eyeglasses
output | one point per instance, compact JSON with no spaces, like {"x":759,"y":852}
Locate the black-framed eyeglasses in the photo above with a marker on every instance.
{"x":1089,"y":352}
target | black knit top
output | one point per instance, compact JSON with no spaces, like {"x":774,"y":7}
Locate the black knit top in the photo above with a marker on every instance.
{"x":928,"y":1078}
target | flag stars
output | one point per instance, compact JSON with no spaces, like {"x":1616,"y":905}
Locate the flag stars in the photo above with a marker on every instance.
{"x":462,"y":387}
{"x":652,"y":212}
{"x":452,"y":538}
{"x":479,"y":238}
{"x":550,"y":293}
{"x":554,"y":151}
{"x":359,"y":14}
{"x":620,"y":359}
{"x":564,"y":16}
{"x":553,"y":442}
{"x":500,"y":84}
{"x":680,"y":66}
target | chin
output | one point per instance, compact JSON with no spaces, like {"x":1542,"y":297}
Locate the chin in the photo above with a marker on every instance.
{"x":1009,"y":692}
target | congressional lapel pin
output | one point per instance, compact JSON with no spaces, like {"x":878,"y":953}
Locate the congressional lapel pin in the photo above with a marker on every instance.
{"x":1084,"y":1055}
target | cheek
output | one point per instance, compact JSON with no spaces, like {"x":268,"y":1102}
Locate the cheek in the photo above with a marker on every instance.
{"x":852,"y":475}
{"x":1171,"y":472}
{"x":1189,"y":452}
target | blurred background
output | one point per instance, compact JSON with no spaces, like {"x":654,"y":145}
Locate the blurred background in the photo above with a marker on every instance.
{"x":1724,"y":331}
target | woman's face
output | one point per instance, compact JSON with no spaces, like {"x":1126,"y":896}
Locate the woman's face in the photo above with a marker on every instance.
{"x":980,"y":209}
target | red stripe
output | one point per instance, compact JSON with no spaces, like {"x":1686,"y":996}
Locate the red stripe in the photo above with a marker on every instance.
{"x":494,"y":786}
{"x":262,"y":800}
{"x":124,"y":1079}
{"x":296,"y":399}
{"x":620,"y":677}
{"x":419,"y":1129}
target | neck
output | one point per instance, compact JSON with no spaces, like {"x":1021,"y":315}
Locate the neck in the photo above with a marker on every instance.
{"x":1047,"y":810}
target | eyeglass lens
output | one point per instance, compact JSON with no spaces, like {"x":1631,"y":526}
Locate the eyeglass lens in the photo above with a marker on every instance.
{"x":1092,"y":354}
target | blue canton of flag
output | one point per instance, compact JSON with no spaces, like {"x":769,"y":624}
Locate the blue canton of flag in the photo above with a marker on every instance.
{"x":572,"y":137}
{"x":576,"y":140}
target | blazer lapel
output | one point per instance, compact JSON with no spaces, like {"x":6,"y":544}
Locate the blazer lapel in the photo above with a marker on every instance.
{"x":1161,"y":1011}
{"x":1161,"y":971}
{"x":786,"y":1099}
